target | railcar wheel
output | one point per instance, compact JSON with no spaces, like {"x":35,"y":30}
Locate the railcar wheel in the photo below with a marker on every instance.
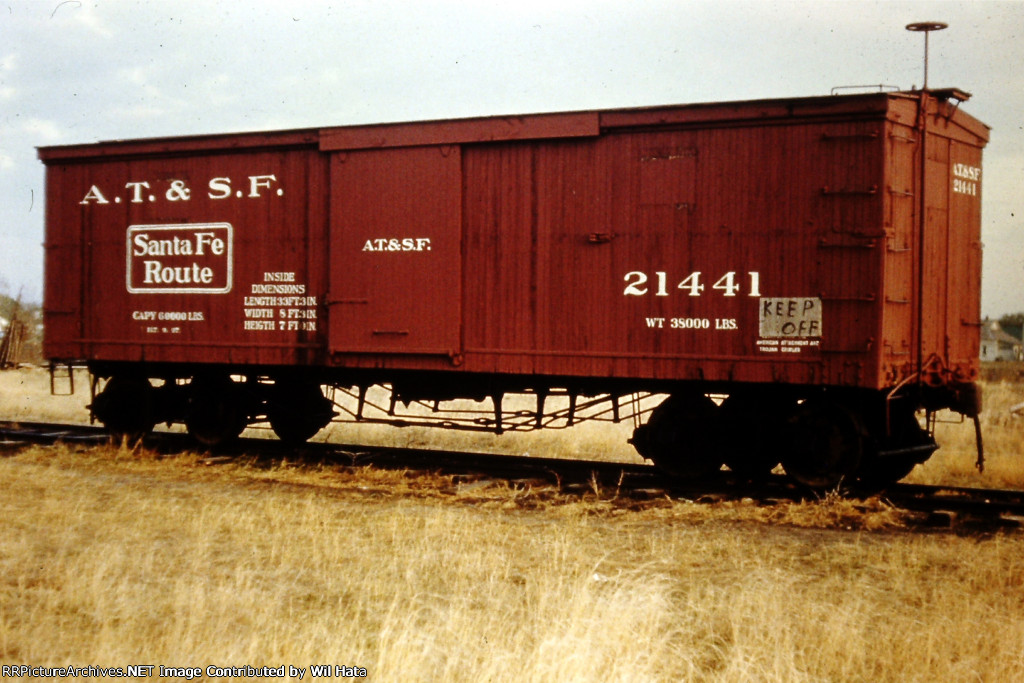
{"x":751,"y":430}
{"x":680,"y":438}
{"x":125,"y":407}
{"x":216,"y":412}
{"x":908,"y":446}
{"x":826,"y":445}
{"x":297,"y":411}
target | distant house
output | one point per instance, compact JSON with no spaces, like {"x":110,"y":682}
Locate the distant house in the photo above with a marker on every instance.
{"x":998,"y":344}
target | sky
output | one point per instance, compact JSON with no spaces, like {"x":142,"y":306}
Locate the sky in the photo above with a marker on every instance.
{"x":79,"y":71}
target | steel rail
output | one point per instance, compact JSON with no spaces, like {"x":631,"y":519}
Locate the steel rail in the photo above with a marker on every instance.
{"x":628,"y":479}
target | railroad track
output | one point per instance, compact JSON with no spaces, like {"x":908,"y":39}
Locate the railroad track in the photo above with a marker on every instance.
{"x":13,"y":434}
{"x":939,"y":505}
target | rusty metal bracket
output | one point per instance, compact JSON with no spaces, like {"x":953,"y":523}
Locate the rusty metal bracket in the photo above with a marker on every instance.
{"x":980,"y":463}
{"x":903,"y":138}
{"x":829,"y":192}
{"x":867,"y":298}
{"x":832,"y":137}
{"x":823,"y":243}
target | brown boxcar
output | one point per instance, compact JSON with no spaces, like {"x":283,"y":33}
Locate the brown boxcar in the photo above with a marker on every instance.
{"x":817,"y":260}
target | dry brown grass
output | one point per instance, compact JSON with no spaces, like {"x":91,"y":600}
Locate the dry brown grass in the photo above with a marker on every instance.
{"x":112,"y":556}
{"x":1003,"y":434}
{"x":25,"y":396}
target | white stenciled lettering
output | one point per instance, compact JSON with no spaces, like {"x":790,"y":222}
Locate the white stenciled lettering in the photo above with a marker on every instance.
{"x":635,"y":282}
{"x":144,"y":246}
{"x":966,"y":179}
{"x":279,"y":289}
{"x":155,"y":273}
{"x":178,"y":190}
{"x":265,"y":313}
{"x":187,"y":258}
{"x":728,"y":284}
{"x":965,"y":187}
{"x":209,"y":239}
{"x":219,"y":188}
{"x":204,"y":242}
{"x":279,"y":277}
{"x":398,"y":244}
{"x":94,"y":195}
{"x":690,"y":324}
{"x":300,"y":313}
{"x":966,"y":172}
{"x":280,"y":313}
{"x":136,"y":191}
{"x":256,"y":182}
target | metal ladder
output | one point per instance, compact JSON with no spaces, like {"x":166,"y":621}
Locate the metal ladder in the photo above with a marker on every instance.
{"x":62,"y":372}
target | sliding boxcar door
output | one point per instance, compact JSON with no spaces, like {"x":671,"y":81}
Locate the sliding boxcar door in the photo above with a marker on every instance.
{"x":395,"y":261}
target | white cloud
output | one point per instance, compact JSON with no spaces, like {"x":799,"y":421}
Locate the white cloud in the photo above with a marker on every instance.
{"x":8,"y":68}
{"x":140,"y":112}
{"x":43,"y":130}
{"x":85,"y":14}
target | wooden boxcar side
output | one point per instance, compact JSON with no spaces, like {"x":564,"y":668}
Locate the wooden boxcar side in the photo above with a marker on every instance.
{"x":164,"y":252}
{"x":775,"y":251}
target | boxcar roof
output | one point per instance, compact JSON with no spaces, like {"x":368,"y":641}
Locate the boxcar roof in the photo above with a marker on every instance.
{"x":533,"y":126}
